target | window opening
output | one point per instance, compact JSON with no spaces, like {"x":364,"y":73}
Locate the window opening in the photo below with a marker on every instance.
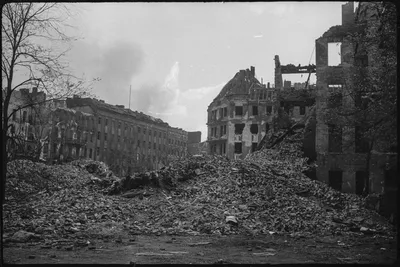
{"x":361,"y":179}
{"x":254,"y":128}
{"x":238,"y":110}
{"x":255,"y":110}
{"x":334,"y":54}
{"x":239,"y":128}
{"x":335,"y":180}
{"x":302,"y":110}
{"x":238,"y":148}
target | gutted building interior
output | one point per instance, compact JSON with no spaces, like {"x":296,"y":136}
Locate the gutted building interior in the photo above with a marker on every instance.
{"x":240,"y":116}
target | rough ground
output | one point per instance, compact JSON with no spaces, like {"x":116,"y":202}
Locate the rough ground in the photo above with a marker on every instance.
{"x":262,"y":209}
{"x":274,"y":249}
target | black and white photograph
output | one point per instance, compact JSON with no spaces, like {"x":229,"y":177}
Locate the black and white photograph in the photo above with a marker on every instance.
{"x":199,"y":133}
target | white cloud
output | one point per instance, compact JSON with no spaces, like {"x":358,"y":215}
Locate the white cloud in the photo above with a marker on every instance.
{"x":258,"y":36}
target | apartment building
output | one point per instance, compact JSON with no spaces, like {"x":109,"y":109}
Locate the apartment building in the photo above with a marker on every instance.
{"x":240,"y":115}
{"x":193,"y":146}
{"x":67,"y":136}
{"x":128,"y":140}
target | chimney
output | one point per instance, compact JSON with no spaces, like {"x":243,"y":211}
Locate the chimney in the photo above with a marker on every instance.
{"x":253,"y":71}
{"x":34,"y":90}
{"x":268,"y":85}
{"x":261,"y":80}
{"x":348,"y":13}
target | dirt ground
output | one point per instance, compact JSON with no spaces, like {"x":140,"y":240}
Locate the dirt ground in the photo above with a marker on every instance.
{"x":272,"y":249}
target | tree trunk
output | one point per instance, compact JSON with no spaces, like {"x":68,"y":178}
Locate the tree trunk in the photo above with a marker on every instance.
{"x":4,"y":163}
{"x":367,"y":170}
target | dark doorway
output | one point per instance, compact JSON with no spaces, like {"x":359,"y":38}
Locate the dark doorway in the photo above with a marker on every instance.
{"x":361,"y":180}
{"x":335,"y":180}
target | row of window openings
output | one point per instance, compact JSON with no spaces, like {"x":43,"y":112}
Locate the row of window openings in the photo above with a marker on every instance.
{"x":160,"y":134}
{"x":335,"y":98}
{"x":222,"y":148}
{"x":25,"y":117}
{"x":239,"y":146}
{"x":261,"y":94}
{"x":335,"y":180}
{"x":30,"y":120}
{"x":239,"y":110}
{"x":221,"y":112}
{"x":335,"y":134}
{"x":74,"y":136}
{"x":238,"y":129}
{"x":222,"y":131}
{"x":106,"y":122}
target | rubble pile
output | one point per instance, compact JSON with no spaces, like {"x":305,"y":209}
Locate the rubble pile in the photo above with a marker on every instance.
{"x":264,"y":193}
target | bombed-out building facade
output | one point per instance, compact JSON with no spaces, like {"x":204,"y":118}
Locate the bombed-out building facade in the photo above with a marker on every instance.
{"x":240,"y":116}
{"x":246,"y":111}
{"x":342,"y":154}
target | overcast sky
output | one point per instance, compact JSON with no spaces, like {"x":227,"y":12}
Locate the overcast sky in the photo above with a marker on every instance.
{"x":178,"y":56}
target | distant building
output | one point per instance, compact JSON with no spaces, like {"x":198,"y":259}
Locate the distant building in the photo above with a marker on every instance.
{"x":193,"y":146}
{"x":64,"y":130}
{"x":128,"y":140}
{"x":67,"y":136}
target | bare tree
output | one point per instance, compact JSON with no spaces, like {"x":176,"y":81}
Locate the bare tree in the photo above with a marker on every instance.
{"x":33,"y":49}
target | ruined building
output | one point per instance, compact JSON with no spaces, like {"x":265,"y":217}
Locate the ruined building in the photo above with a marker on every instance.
{"x":240,"y":115}
{"x":26,"y":107}
{"x":341,"y":153}
{"x":67,"y":136}
{"x":63,"y":130}
{"x":247,"y":111}
{"x":128,"y":140}
{"x":296,"y":100}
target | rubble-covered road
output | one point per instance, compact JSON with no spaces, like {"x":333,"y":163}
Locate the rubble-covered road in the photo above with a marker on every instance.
{"x":236,"y":249}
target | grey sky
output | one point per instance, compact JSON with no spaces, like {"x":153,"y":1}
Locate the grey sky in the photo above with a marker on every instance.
{"x":177,"y":56}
